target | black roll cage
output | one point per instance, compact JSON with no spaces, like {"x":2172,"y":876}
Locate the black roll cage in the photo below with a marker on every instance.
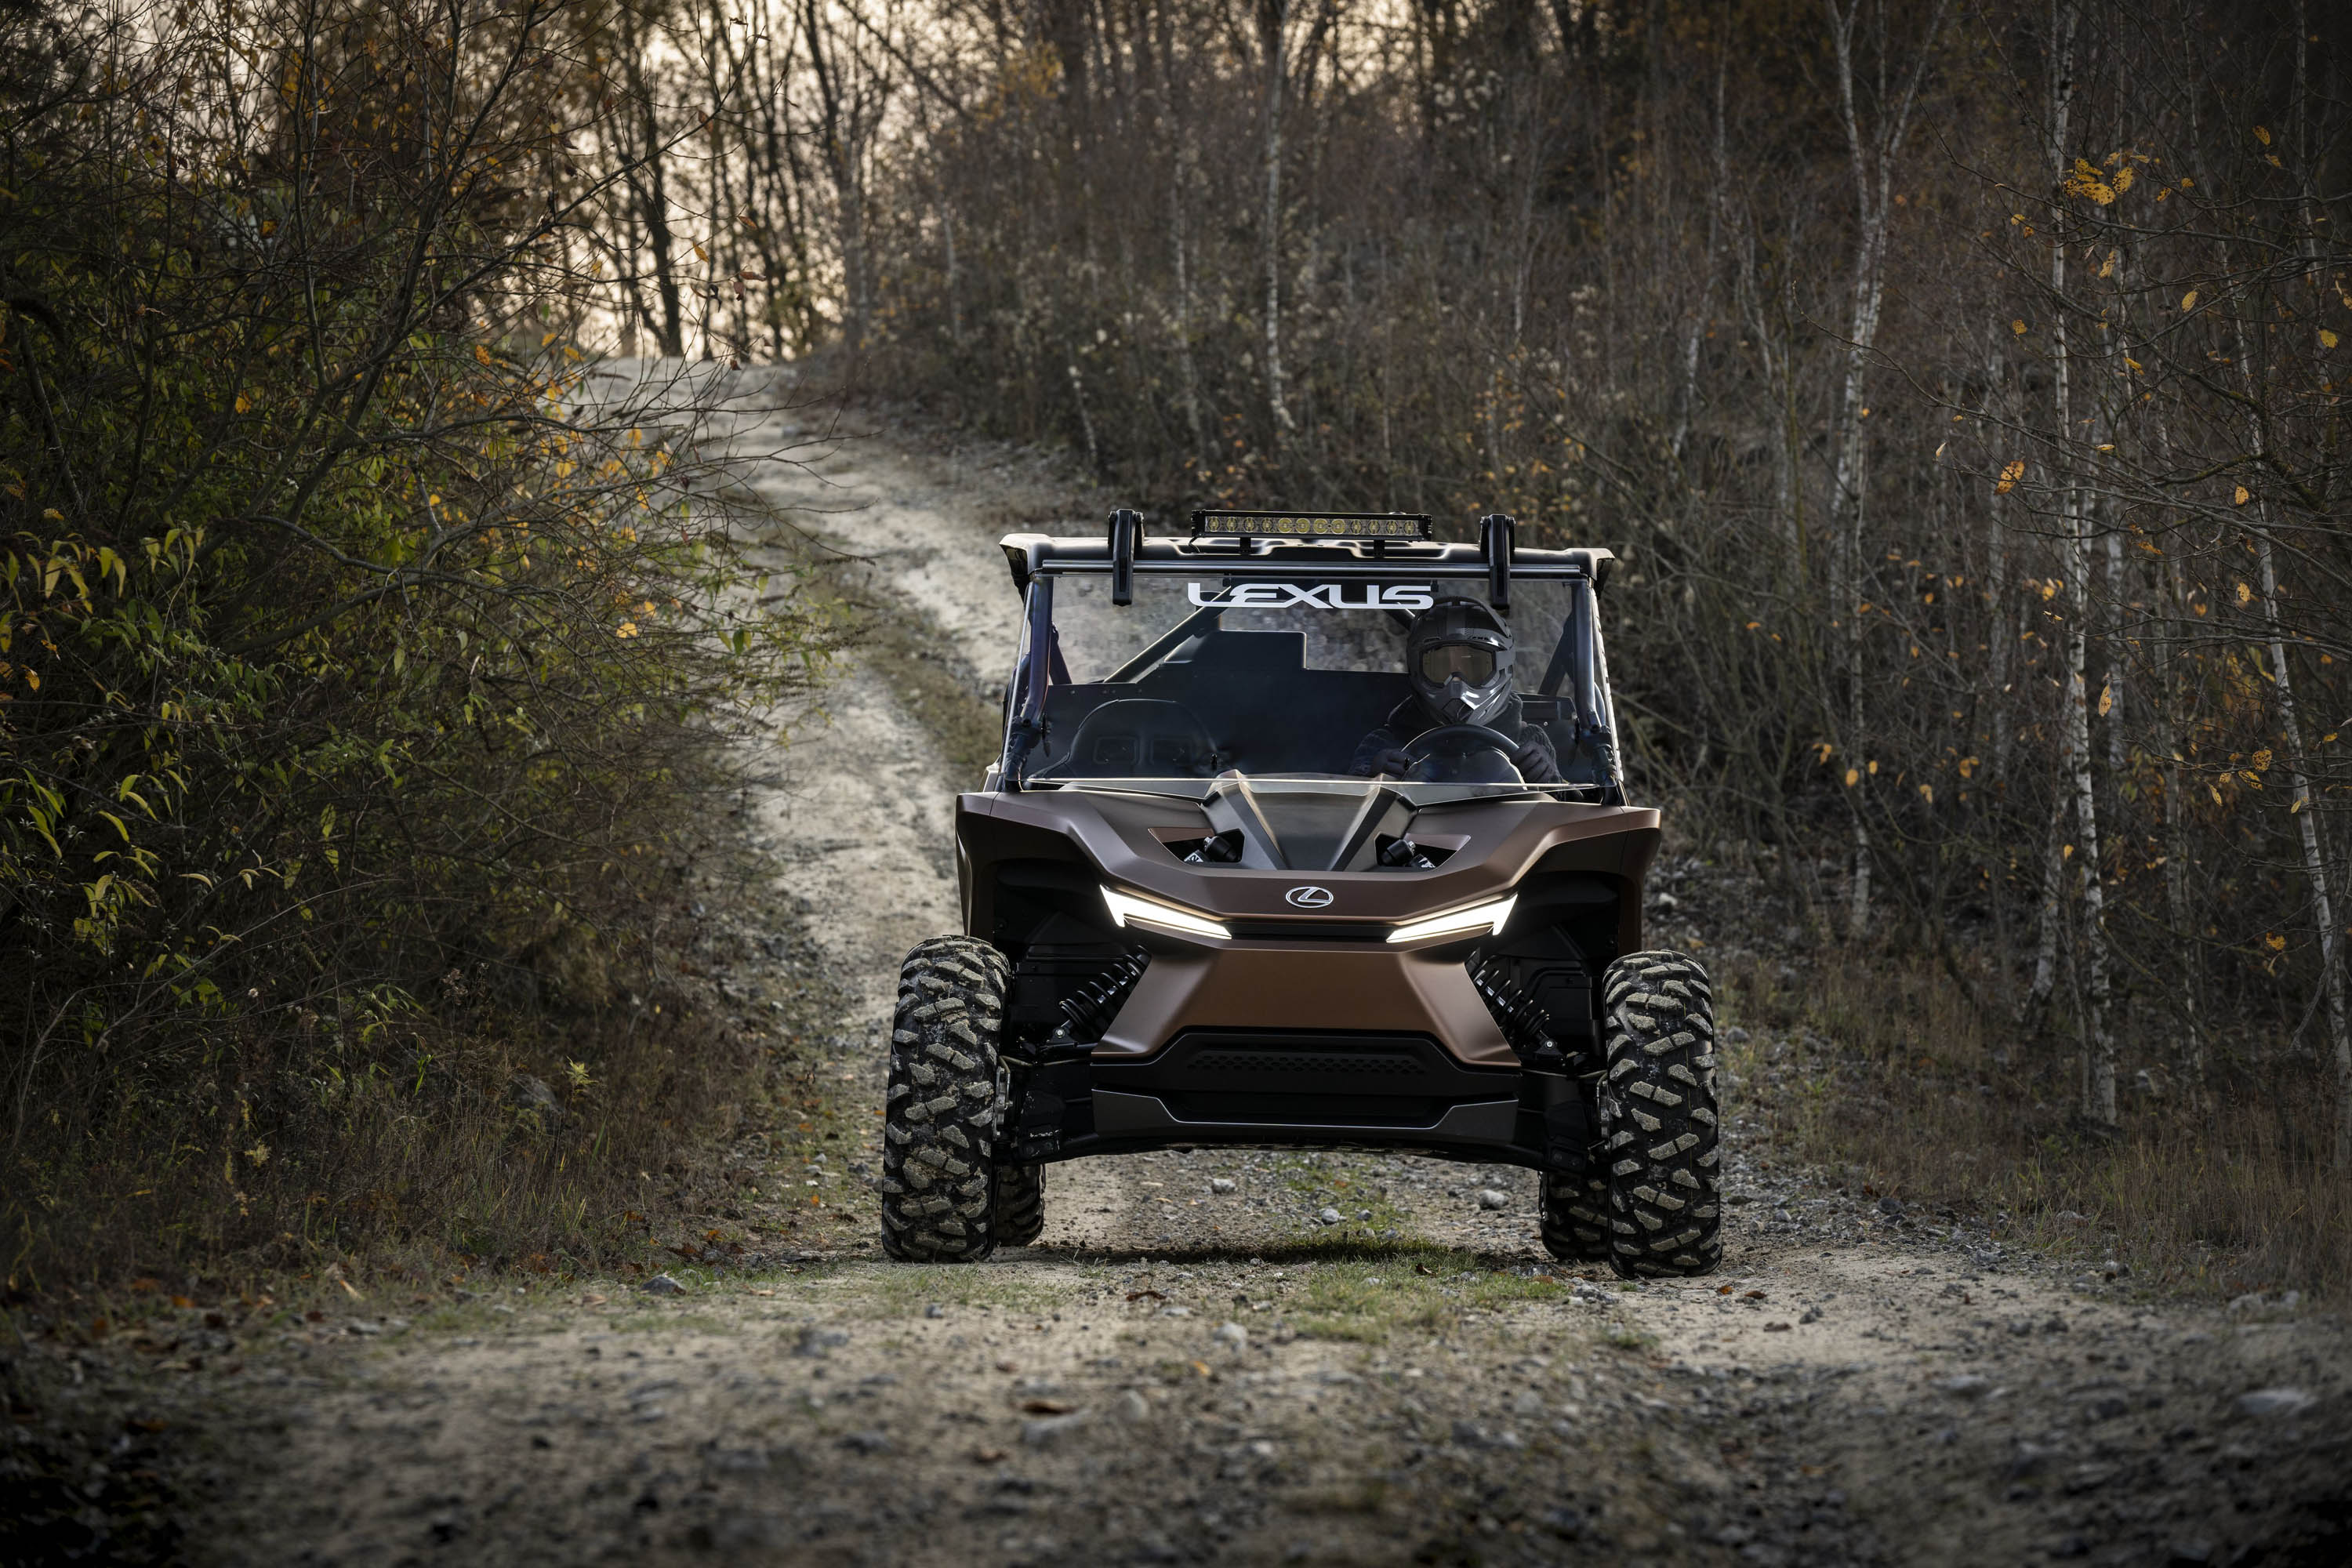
{"x":1036,"y":560}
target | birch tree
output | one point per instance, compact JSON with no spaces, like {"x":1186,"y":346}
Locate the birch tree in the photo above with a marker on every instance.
{"x":1874,"y":154}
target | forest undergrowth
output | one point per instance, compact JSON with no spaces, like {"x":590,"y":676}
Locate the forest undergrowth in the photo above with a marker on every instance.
{"x":1881,"y":1068}
{"x":371,"y":653}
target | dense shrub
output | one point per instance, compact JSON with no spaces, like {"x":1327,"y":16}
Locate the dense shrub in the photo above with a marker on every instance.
{"x":363,"y":646}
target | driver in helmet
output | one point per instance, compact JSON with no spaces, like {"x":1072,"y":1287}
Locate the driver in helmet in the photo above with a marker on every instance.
{"x":1457,"y":657}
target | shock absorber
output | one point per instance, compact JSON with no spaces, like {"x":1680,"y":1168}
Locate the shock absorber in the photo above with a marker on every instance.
{"x":1090,"y":1008}
{"x":1523,"y":1023}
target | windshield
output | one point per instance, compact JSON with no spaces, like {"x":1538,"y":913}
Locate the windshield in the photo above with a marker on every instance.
{"x":1413,"y":680}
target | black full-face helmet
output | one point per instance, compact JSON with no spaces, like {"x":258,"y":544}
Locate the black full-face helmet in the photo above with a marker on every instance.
{"x":1458,"y":657}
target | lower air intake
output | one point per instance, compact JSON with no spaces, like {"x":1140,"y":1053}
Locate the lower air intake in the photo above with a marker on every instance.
{"x":1306,"y":1079}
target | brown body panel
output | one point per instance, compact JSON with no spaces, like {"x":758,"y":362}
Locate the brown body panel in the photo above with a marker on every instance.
{"x":1309,"y":986}
{"x":1331,"y":970}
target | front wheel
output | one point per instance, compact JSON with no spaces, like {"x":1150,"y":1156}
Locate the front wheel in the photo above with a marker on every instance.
{"x":1658,"y":1119}
{"x":946,"y":1088}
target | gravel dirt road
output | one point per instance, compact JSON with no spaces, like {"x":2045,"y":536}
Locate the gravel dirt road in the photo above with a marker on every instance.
{"x":1228,"y":1357}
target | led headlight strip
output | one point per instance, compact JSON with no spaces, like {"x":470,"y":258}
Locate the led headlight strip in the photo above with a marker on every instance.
{"x":1126,"y":908}
{"x":1477,"y":919}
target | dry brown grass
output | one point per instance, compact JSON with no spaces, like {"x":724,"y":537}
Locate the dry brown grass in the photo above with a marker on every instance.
{"x":1893,"y":1076}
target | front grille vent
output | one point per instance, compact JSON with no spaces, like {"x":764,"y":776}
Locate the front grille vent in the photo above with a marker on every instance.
{"x":1334,"y":1064}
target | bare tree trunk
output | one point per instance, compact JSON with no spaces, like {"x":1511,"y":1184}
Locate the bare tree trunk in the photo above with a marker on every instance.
{"x":2053,"y":891}
{"x":2098,"y":1044}
{"x":2315,"y":864}
{"x":1694,"y":329}
{"x":1272,"y":16}
{"x":1085,"y":419}
{"x":955,"y":304}
{"x":2314,"y":860}
{"x":1188,"y":371}
{"x":2111,"y":699}
{"x":2315,"y":856}
{"x":2002,"y":645}
{"x":1873,"y":171}
{"x":649,"y":184}
{"x":2177,"y":912}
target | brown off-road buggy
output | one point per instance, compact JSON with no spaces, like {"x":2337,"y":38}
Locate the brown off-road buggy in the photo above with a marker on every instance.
{"x":1192,"y":919}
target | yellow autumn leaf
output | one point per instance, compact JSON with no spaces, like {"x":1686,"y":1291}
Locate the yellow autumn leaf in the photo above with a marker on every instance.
{"x":2189,"y":301}
{"x":243,"y":403}
{"x":2018,"y":327}
{"x":1967,"y":767}
{"x":2010,"y":474}
{"x":1873,"y":768}
{"x":2107,"y":701}
{"x":2327,"y":340}
{"x":2262,"y":136}
{"x":701,"y":253}
{"x":2274,"y":941}
{"x":1927,"y":793}
{"x":2262,"y":761}
{"x":1851,"y":778}
{"x":2083,"y":181}
{"x":2241,"y":495}
{"x":626,"y":629}
{"x":2245,"y":594}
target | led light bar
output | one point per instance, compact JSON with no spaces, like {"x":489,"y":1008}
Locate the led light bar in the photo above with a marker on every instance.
{"x":1310,"y":525}
{"x":1477,"y":919}
{"x":1126,"y":907}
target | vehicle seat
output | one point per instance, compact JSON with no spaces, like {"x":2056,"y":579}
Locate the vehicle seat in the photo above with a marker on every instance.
{"x":1138,"y":737}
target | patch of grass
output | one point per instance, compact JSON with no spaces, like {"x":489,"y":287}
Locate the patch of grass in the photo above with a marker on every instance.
{"x":907,"y":1288}
{"x":956,"y":706}
{"x":2221,"y":1187}
{"x":653,"y":1321}
{"x":1412,"y":1287}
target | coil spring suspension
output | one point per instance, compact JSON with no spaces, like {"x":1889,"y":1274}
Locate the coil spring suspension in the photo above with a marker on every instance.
{"x":1523,"y":1023}
{"x":1094,"y":1004}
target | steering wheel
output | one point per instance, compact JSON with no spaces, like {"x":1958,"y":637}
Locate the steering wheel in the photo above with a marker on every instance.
{"x":1444,"y":755}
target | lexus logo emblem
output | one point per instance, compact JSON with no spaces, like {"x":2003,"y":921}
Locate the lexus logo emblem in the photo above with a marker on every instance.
{"x":1309,"y":898}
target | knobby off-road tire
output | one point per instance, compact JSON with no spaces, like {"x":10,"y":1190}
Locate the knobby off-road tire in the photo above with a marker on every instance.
{"x":1576,"y":1218}
{"x":1019,"y":1204}
{"x":939,"y":1185}
{"x":1658,"y":1121}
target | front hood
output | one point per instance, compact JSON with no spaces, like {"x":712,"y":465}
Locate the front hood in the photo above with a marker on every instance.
{"x":1306,"y":827}
{"x":1320,"y":835}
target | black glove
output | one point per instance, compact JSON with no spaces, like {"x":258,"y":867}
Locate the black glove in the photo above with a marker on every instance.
{"x":1393,"y":762}
{"x":1535,"y":762}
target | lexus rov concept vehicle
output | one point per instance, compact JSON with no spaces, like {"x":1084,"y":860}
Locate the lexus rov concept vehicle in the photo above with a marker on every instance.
{"x":1308,"y":830}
